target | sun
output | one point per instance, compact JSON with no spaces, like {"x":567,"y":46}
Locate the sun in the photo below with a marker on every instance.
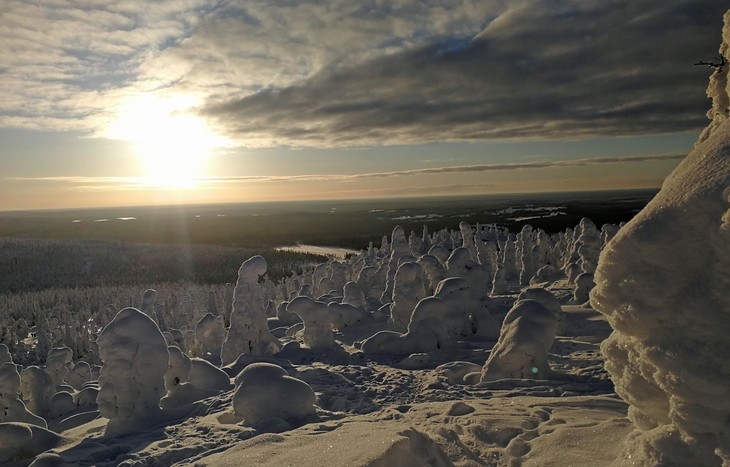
{"x":172,"y":145}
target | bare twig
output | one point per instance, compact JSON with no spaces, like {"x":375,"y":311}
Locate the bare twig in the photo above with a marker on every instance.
{"x":715,"y":65}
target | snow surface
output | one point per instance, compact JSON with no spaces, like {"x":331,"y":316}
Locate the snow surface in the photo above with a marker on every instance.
{"x":514,"y":377}
{"x":663,"y":283}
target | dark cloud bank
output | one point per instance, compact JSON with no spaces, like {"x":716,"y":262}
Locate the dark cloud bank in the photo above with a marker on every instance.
{"x":551,"y":69}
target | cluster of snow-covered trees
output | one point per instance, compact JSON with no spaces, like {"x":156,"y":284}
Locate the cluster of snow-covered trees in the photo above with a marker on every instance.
{"x":421,"y":293}
{"x":380,"y":283}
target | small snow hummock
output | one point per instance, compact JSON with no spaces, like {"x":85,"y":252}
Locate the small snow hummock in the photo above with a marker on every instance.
{"x":663,"y":284}
{"x":132,"y":381}
{"x":265,"y":391}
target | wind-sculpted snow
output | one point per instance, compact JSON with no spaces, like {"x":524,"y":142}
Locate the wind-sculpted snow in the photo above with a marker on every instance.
{"x":265,"y":391}
{"x":132,"y":382}
{"x":12,"y":408}
{"x":248,"y":332}
{"x":663,"y":283}
{"x":526,"y":336}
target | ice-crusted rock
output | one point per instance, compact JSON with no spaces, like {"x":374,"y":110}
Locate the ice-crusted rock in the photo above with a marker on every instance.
{"x":663,"y":284}
{"x":132,"y":382}
{"x":249,"y":331}
{"x":527,"y":333}
{"x":265,"y":391}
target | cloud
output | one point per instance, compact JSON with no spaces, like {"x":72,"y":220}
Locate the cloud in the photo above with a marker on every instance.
{"x":329,"y":73}
{"x":66,"y":63}
{"x":563,"y":69}
{"x":141,"y":183}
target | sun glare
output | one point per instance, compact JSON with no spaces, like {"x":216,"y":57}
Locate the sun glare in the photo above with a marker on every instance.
{"x":173,"y":147}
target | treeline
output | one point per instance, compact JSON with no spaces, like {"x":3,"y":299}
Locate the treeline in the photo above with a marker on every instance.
{"x":34,"y":265}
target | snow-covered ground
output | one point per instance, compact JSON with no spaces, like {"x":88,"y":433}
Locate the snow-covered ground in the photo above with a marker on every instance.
{"x":470,"y":347}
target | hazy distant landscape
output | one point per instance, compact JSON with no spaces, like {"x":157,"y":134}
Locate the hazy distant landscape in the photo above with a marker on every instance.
{"x":346,"y":223}
{"x":206,"y":244}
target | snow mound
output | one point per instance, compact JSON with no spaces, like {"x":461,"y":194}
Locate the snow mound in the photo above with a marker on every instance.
{"x":12,"y":409}
{"x":20,"y":441}
{"x":132,"y":381}
{"x":528,"y":332}
{"x":265,"y":391}
{"x":663,"y":284}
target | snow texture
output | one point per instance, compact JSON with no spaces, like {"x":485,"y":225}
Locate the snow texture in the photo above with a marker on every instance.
{"x":209,"y":335}
{"x":408,"y":290}
{"x":317,"y":322}
{"x":20,"y":441}
{"x":132,"y":382}
{"x":249,"y":331}
{"x":37,"y":389}
{"x":12,"y":408}
{"x":663,"y":283}
{"x":528,"y":332}
{"x":265,"y":391}
{"x":58,"y":363}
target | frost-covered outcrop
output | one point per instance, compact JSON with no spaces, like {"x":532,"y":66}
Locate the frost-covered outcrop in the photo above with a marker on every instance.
{"x":663,"y":283}
{"x":132,"y":382}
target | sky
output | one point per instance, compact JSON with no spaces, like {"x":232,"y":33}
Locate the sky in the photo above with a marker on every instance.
{"x":120,"y":103}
